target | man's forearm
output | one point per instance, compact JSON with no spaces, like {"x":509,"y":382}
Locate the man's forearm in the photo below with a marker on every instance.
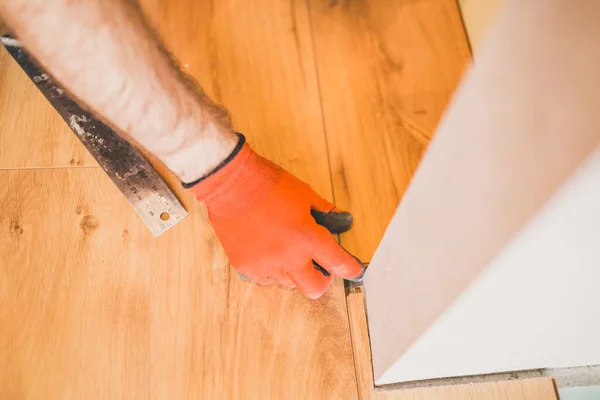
{"x":104,"y":53}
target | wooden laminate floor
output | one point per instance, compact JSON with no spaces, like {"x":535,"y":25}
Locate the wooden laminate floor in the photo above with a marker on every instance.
{"x":346,"y":95}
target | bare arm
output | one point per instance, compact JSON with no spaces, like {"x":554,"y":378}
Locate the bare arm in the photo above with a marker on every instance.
{"x":273,"y":227}
{"x":104,"y":53}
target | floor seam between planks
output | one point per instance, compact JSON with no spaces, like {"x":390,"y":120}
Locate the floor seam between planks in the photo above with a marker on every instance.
{"x":464,"y":26}
{"x":319,"y":91}
{"x":332,"y":186}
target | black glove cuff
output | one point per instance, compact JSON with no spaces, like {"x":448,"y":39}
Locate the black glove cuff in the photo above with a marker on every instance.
{"x":236,"y":150}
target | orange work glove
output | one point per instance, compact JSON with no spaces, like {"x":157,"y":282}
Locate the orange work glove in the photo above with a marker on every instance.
{"x":268,"y":223}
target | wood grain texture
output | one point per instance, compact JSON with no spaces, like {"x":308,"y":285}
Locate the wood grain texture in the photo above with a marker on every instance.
{"x":32,"y":134}
{"x":215,"y":336}
{"x":387,"y":71}
{"x":539,"y":389}
{"x":525,"y":118}
{"x":74,"y":288}
{"x":80,"y":320}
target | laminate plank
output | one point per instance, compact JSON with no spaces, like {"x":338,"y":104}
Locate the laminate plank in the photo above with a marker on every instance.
{"x":32,"y":134}
{"x":523,"y":389}
{"x":387,"y":71}
{"x":74,"y":288}
{"x":214,"y":335}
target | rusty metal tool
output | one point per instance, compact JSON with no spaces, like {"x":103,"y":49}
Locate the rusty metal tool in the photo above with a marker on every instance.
{"x":133,"y":175}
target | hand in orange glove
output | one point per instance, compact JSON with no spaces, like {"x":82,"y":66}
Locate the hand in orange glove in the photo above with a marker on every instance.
{"x":274,"y":227}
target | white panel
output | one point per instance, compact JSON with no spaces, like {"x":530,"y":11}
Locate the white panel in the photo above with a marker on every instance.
{"x":537,"y":305}
{"x":525,"y":118}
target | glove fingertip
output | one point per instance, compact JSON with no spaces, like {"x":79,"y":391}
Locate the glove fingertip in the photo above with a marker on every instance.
{"x":350,"y":267}
{"x":360,"y":277}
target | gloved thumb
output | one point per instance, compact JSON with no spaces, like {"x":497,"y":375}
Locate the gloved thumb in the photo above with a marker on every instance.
{"x":329,"y":216}
{"x":332,"y":257}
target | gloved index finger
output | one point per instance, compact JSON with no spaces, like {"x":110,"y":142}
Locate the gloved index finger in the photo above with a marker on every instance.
{"x":364,"y":271}
{"x":335,"y":259}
